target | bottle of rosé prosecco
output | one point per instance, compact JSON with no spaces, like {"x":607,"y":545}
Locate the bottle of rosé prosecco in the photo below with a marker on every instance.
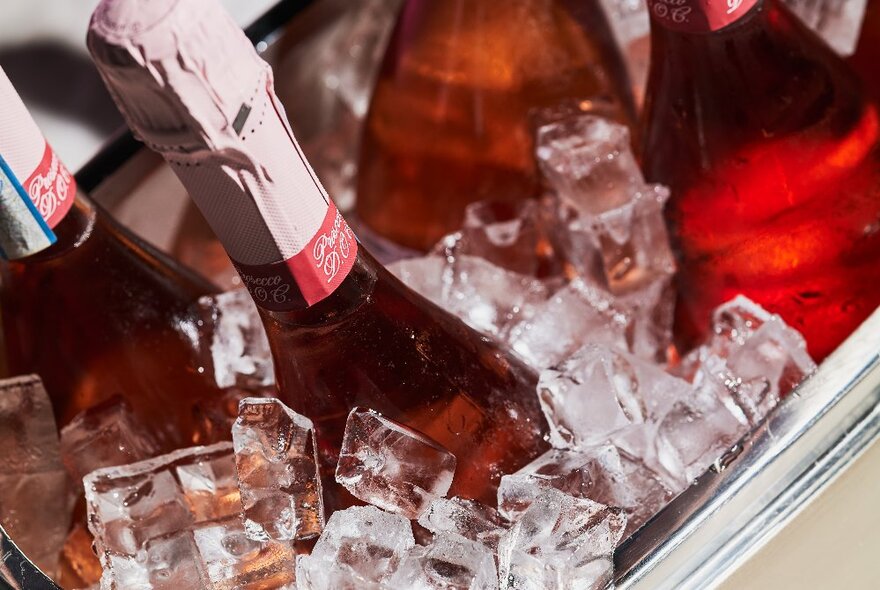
{"x":87,"y":305}
{"x":343,"y":331}
{"x":772,"y":151}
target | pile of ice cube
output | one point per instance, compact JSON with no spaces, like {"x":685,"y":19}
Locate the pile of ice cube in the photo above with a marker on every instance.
{"x":230,"y":516}
{"x":579,"y":284}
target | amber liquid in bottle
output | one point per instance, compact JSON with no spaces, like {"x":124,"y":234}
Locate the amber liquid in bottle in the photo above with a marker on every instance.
{"x":450,"y":123}
{"x":772,"y":153}
{"x":101,"y":313}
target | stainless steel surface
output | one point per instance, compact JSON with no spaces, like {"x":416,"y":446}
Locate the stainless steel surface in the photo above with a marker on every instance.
{"x":16,"y":572}
{"x":726,"y":516}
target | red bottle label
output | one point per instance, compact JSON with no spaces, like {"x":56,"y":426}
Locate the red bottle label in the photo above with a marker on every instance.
{"x":698,"y":16}
{"x":51,"y":187}
{"x":308,"y":276}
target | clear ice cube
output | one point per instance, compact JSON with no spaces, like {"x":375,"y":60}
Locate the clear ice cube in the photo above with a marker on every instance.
{"x":277,"y":464}
{"x":560,"y":542}
{"x":216,"y":414}
{"x":752,"y":354}
{"x":105,"y":435}
{"x":212,"y":555}
{"x":466,"y":518}
{"x":392,"y":466}
{"x":601,"y":473}
{"x":599,"y":391}
{"x":520,"y":237}
{"x":633,"y":240}
{"x":209,"y":486}
{"x":450,"y":562}
{"x":652,"y":309}
{"x":35,"y":506}
{"x":575,"y":315}
{"x":589,"y":162}
{"x":486,"y":297}
{"x":701,"y":428}
{"x":359,"y":549}
{"x":239,"y":351}
{"x":132,"y":504}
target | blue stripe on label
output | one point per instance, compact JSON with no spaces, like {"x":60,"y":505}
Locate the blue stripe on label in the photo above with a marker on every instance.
{"x":8,"y":176}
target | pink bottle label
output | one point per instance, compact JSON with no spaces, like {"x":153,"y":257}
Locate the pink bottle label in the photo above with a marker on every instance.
{"x":36,"y":189}
{"x":698,"y":16}
{"x":192,"y":87}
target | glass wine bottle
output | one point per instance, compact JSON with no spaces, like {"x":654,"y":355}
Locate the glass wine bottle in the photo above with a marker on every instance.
{"x":343,"y":331}
{"x":772,"y":152}
{"x":87,"y":305}
{"x":450,"y":124}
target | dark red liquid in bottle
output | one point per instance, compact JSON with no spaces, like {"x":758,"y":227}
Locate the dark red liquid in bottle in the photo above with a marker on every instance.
{"x":772,"y":152}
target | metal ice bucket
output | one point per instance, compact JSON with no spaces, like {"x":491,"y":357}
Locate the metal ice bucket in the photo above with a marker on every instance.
{"x":724,"y":518}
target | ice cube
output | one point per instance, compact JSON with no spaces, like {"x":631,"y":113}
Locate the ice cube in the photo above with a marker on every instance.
{"x":132,"y":504}
{"x":213,"y":555}
{"x":450,"y":562}
{"x":601,"y":473}
{"x":701,"y":428}
{"x":105,"y":435}
{"x":575,"y":315}
{"x":359,"y":549}
{"x":643,"y":443}
{"x":216,"y":414}
{"x":277,"y":463}
{"x":633,"y":241}
{"x":599,"y":391}
{"x":589,"y":162}
{"x":560,"y":542}
{"x":652,"y":309}
{"x":521,"y":237}
{"x":392,"y":466}
{"x":751,"y":353}
{"x":209,"y":486}
{"x":35,"y":506}
{"x":594,"y":473}
{"x":232,"y":561}
{"x":239,"y":351}
{"x":838,"y":22}
{"x":466,"y":518}
{"x":486,"y":297}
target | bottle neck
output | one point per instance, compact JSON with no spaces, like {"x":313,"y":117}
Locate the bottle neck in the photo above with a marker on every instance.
{"x":207,"y":104}
{"x":71,"y":231}
{"x":700,"y":16}
{"x":351,"y":294}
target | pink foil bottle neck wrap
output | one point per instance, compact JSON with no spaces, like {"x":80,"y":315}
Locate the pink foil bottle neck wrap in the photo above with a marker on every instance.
{"x":192,"y":87}
{"x":698,"y":16}
{"x":36,"y":189}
